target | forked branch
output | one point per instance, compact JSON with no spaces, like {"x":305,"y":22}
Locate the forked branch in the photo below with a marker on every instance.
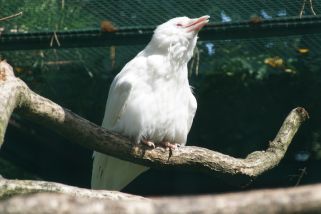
{"x":14,"y":94}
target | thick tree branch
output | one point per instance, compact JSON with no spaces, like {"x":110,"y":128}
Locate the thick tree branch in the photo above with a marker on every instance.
{"x":10,"y":188}
{"x":14,"y":93}
{"x":305,"y":199}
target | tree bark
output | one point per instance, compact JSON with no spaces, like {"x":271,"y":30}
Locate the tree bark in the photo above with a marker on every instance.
{"x":10,"y":188}
{"x":305,"y":199}
{"x":14,"y":94}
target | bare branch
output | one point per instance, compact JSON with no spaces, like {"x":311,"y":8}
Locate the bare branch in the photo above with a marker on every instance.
{"x":10,"y":17}
{"x":305,"y":199}
{"x":10,"y":188}
{"x":14,"y":93}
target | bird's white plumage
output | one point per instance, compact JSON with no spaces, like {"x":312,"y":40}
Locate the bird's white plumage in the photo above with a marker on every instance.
{"x":150,"y":99}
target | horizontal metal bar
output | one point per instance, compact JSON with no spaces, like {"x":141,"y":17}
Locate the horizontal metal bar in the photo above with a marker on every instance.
{"x":253,"y":28}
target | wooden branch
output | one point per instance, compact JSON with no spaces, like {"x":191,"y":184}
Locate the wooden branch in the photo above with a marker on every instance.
{"x":305,"y":199}
{"x":11,"y":16}
{"x":10,"y":188}
{"x":14,"y":93}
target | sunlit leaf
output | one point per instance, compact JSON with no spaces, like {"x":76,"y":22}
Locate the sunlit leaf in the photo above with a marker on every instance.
{"x":303,"y":50}
{"x":274,"y":62}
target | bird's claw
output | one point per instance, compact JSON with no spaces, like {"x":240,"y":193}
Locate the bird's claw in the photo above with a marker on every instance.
{"x":149,"y":143}
{"x":170,"y":146}
{"x":166,"y":144}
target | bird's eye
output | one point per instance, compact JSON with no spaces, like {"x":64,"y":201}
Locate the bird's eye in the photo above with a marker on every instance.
{"x":179,"y":25}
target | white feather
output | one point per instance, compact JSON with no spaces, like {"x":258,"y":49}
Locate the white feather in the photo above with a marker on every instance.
{"x":150,"y":99}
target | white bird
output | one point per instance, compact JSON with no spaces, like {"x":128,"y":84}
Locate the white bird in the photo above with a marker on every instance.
{"x":150,"y":100}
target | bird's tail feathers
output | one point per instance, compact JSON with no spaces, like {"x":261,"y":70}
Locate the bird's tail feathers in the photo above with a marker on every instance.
{"x":112,"y":173}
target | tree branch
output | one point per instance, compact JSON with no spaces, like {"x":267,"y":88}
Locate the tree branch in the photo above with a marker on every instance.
{"x":305,"y":199}
{"x":11,"y":16}
{"x":10,"y":188}
{"x":14,"y":93}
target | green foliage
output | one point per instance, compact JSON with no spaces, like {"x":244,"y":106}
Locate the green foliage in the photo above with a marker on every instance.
{"x":46,"y":15}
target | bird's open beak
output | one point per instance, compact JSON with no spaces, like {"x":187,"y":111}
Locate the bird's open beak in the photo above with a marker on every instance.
{"x":197,"y":24}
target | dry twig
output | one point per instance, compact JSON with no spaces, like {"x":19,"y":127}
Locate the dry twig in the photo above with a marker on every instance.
{"x":311,"y":8}
{"x":10,"y":17}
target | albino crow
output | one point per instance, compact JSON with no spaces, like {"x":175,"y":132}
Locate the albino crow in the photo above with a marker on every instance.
{"x":150,"y":100}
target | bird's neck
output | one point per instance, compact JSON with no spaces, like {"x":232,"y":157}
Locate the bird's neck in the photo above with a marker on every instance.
{"x":175,"y":58}
{"x":178,"y":53}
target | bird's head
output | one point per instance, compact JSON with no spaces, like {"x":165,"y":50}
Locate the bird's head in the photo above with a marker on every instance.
{"x":178,"y":36}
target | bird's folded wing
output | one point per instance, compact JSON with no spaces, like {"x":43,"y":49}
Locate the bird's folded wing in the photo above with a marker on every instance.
{"x":192,"y":106}
{"x":116,"y":103}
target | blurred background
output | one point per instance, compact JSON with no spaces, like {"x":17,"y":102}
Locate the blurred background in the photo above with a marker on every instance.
{"x":254,"y":63}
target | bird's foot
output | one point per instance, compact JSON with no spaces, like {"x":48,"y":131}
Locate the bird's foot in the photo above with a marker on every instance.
{"x":149,"y":143}
{"x":170,"y":146}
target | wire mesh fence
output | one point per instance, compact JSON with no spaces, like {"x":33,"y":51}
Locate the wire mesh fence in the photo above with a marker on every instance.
{"x":259,"y":57}
{"x":61,"y":15}
{"x":54,"y":15}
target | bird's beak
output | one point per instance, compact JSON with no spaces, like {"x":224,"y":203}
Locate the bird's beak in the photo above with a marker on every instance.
{"x":197,"y":24}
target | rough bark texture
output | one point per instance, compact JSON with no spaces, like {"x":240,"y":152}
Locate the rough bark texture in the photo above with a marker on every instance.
{"x":305,"y":199}
{"x":14,"y":93}
{"x":9,"y":188}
